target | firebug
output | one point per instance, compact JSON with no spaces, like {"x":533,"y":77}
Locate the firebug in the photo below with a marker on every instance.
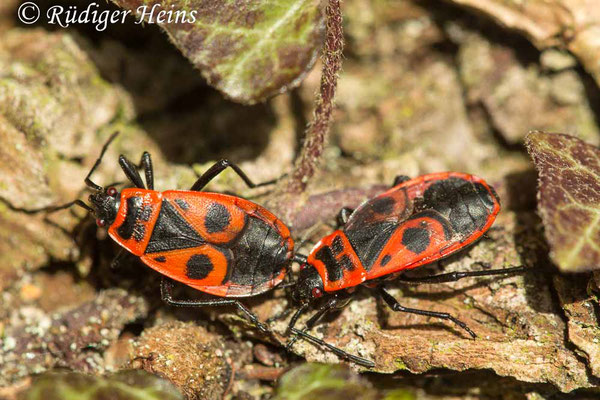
{"x":416,"y":222}
{"x":222,"y":245}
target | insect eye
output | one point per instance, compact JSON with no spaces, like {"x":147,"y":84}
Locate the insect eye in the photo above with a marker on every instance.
{"x":100,"y":222}
{"x":316,"y":292}
{"x":111,"y":191}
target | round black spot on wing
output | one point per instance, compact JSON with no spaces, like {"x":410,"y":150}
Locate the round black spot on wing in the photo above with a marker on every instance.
{"x":198,"y":266}
{"x":416,"y":239}
{"x":217,"y":218}
{"x":383,"y":205}
{"x":160,"y":259}
{"x":435,"y":215}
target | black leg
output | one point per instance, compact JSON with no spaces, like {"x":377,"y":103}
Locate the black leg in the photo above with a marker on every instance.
{"x":343,"y":216}
{"x":287,"y":285}
{"x":324,"y":309}
{"x":146,"y":164}
{"x":296,"y":315}
{"x":454,"y":276}
{"x":394,"y":305}
{"x":217,"y":168}
{"x":335,"y":350}
{"x":88,"y":181}
{"x":400,"y":179}
{"x":121,"y":255}
{"x":330,"y":304}
{"x":166,"y":287}
{"x":131,"y":172}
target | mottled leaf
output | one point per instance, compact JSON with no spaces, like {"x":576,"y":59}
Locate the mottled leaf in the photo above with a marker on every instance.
{"x":314,"y":381}
{"x":568,"y":198}
{"x":247,"y":49}
{"x":124,"y":385}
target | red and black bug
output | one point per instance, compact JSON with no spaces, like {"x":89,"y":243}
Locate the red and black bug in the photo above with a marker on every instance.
{"x":416,"y":222}
{"x":222,"y":245}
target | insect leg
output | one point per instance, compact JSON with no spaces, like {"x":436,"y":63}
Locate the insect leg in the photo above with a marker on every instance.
{"x":335,"y":350}
{"x":394,"y":305}
{"x":343,"y":216}
{"x":166,"y":289}
{"x":286,"y":285}
{"x":324,"y":309}
{"x":217,"y":168}
{"x":330,"y":304}
{"x":400,"y":179}
{"x":146,"y":164}
{"x":295,"y":317}
{"x":131,"y":172}
{"x":121,"y":255}
{"x":454,"y":276}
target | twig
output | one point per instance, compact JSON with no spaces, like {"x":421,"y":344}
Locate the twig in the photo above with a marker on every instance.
{"x":317,"y":130}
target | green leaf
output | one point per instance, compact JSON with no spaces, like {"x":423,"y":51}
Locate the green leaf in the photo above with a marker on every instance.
{"x":568,"y":198}
{"x":399,"y":394}
{"x":248,"y":49}
{"x":124,"y":385}
{"x":321,"y":381}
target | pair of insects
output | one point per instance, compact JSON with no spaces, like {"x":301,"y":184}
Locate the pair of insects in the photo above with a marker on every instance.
{"x":232,"y":248}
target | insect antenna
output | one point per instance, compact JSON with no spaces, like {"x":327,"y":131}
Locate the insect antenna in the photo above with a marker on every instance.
{"x":77,"y":202}
{"x":52,"y":209}
{"x":88,"y":181}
